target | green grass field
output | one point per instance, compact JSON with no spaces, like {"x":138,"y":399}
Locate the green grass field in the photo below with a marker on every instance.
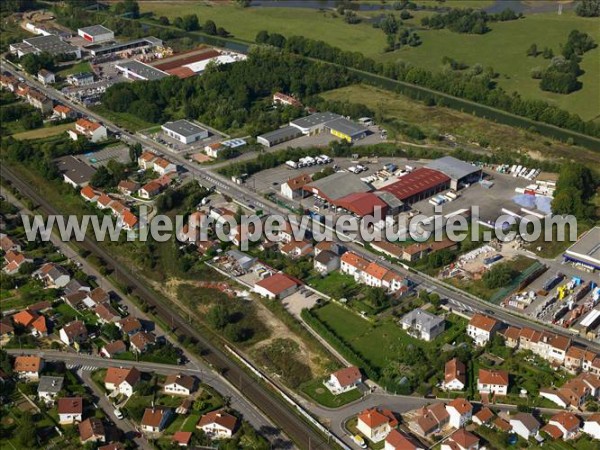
{"x":43,"y":132}
{"x":319,"y":393}
{"x":503,"y":48}
{"x":467,"y":128}
{"x":81,"y":67}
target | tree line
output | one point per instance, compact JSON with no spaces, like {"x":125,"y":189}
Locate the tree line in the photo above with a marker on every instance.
{"x":472,"y":21}
{"x":575,"y":188}
{"x":480,"y":88}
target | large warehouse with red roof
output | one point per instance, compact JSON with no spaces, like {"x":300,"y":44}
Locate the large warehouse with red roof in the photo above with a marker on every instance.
{"x":418,"y":185}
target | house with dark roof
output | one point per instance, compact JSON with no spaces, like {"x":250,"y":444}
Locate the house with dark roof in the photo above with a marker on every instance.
{"x":179,"y":384}
{"x":92,"y":430}
{"x":114,"y":348}
{"x":49,"y":387}
{"x":141,"y":341}
{"x":525,"y":425}
{"x":326,"y":261}
{"x":122,"y":380}
{"x":74,"y":333}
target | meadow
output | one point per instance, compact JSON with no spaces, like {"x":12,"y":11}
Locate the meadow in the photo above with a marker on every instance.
{"x":504,"y":48}
{"x":397,"y":108}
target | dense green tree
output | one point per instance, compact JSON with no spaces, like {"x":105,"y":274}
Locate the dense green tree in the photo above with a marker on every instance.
{"x":532,"y":50}
{"x":500,"y":275}
{"x":210,"y":27}
{"x":588,"y":8}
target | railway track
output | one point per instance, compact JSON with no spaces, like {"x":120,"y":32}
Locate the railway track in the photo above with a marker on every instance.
{"x":303,"y":435}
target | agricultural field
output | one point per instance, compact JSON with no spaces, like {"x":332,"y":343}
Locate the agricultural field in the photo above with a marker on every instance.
{"x":397,"y":108}
{"x":503,"y":48}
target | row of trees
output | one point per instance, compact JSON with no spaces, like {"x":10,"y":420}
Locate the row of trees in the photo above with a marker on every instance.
{"x":470,"y":21}
{"x":191,"y":22}
{"x":478,"y":88}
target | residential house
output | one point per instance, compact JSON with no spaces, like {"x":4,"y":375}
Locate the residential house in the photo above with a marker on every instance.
{"x":52,"y":275}
{"x":24,"y":318}
{"x":70,"y":410}
{"x":353,"y":264}
{"x":81,"y":79}
{"x":141,"y":341}
{"x":460,"y":411}
{"x":574,"y":392}
{"x":106,"y":313}
{"x":432,"y":419}
{"x":129,"y":221}
{"x":482,"y":328}
{"x":455,"y":375}
{"x":130,"y":325}
{"x":326,"y":261}
{"x":180,"y":384}
{"x":375,"y":424}
{"x":525,"y":425}
{"x":63,"y":112}
{"x":7,"y":331}
{"x":46,"y":77}
{"x":511,"y":336}
{"x":49,"y":388}
{"x":127,"y":187}
{"x":564,"y":425}
{"x":39,"y":327}
{"x":122,"y":380}
{"x":492,"y":382}
{"x":89,"y":194}
{"x":461,"y":440}
{"x":422,"y":324}
{"x":294,"y":187}
{"x":28,"y":368}
{"x":96,"y":297}
{"x":7,"y":243}
{"x":344,"y":380}
{"x":218,"y":424}
{"x":150,"y":190}
{"x":484,"y":416}
{"x":397,"y":441}
{"x":287,"y":100}
{"x":297,"y":249}
{"x":278,"y":286}
{"x":92,"y":430}
{"x":14,"y":260}
{"x":74,"y":333}
{"x":113,"y":349}
{"x":578,"y":359}
{"x":93,"y":131}
{"x":162,"y":166}
{"x":40,"y":101}
{"x":214,"y":149}
{"x":146,"y":160}
{"x":591,"y":426}
{"x":155,"y":419}
{"x":103,"y":201}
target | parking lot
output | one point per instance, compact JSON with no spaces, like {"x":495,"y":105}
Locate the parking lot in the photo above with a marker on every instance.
{"x":323,"y":140}
{"x":490,"y":201}
{"x":119,"y":153}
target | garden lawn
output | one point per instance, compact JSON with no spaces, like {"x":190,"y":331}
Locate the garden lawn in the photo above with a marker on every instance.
{"x":319,"y":393}
{"x":336,"y":285}
{"x":43,"y":132}
{"x":380,"y":343}
{"x":82,"y":67}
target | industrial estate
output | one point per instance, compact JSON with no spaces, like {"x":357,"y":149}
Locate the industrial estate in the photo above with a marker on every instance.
{"x":210,"y":341}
